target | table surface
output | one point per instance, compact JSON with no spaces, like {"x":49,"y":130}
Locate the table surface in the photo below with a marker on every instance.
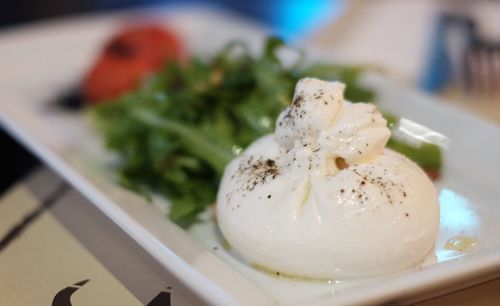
{"x":55,"y":245}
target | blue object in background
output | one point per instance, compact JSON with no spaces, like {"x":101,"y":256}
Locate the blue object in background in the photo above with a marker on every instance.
{"x":437,"y":73}
{"x":297,"y":18}
{"x":439,"y":70}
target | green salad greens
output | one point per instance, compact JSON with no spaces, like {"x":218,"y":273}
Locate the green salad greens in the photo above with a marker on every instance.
{"x":176,"y":133}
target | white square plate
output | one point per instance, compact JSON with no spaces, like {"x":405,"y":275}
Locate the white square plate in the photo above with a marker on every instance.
{"x":38,"y":62}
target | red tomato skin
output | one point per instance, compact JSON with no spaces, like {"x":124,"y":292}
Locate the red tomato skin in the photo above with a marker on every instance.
{"x":127,"y":59}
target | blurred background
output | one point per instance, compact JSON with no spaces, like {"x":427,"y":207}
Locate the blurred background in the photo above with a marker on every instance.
{"x":448,"y":48}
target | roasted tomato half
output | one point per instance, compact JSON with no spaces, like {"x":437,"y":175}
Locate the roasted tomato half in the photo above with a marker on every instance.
{"x":127,"y":59}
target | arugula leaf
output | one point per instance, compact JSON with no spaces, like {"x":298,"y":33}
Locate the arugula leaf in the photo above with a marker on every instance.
{"x":176,"y":133}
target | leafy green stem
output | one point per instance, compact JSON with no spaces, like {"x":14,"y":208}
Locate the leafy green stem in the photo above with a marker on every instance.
{"x":214,"y":154}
